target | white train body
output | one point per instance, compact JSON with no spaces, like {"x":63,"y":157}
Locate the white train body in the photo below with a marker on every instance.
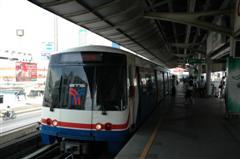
{"x":97,"y":93}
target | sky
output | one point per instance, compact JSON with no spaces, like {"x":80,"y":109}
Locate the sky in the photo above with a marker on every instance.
{"x":20,"y":14}
{"x":38,"y":26}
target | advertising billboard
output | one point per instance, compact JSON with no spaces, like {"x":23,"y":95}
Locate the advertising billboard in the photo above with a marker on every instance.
{"x":26,"y":71}
{"x":233,"y":86}
{"x":237,"y":17}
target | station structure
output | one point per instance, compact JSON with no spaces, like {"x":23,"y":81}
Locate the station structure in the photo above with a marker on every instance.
{"x":201,"y":36}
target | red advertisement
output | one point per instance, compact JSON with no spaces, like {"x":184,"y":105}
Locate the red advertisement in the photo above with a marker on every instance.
{"x":26,"y":71}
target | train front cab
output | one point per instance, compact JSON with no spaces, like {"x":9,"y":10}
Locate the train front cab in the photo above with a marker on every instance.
{"x":86,"y":100}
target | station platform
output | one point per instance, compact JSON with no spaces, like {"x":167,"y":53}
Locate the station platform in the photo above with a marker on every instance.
{"x":22,"y":106}
{"x":177,"y":130}
{"x":24,"y":109}
{"x":27,"y":108}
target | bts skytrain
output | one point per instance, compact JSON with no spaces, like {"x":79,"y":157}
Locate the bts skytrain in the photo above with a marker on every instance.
{"x":99,"y":94}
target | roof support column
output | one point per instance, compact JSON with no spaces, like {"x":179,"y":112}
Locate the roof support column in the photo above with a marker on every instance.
{"x":173,"y":25}
{"x":199,"y":67}
{"x":208,"y":76}
{"x":191,"y":8}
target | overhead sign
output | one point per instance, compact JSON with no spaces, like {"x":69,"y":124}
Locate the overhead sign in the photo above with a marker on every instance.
{"x":83,"y":33}
{"x":196,"y":61}
{"x":47,"y":48}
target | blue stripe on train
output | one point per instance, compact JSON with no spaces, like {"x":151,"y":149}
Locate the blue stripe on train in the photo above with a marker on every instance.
{"x":48,"y":132}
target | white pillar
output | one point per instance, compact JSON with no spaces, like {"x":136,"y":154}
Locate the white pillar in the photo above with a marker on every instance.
{"x":199,"y":67}
{"x":208,"y":76}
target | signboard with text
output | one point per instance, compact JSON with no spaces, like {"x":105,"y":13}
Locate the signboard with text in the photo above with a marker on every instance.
{"x":196,"y":61}
{"x":26,"y":71}
{"x":47,"y":48}
{"x":233,"y":86}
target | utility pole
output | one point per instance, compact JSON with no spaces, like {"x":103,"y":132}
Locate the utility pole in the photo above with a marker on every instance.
{"x":55,"y":33}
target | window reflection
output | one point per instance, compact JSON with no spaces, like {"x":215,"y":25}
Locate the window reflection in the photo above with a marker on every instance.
{"x":87,"y":87}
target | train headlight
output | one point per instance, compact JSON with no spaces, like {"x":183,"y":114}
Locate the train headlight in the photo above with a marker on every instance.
{"x":48,"y":121}
{"x":54,"y":122}
{"x":99,"y":126}
{"x":108,"y":126}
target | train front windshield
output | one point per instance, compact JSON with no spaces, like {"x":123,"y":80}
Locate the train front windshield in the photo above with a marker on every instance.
{"x":87,"y":81}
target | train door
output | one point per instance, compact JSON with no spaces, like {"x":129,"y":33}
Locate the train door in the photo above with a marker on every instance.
{"x":167,"y":83}
{"x":147,"y":92}
{"x":164,"y":83}
{"x":157,"y":98}
{"x":110,"y":95}
{"x":170,"y":83}
{"x":160,"y":86}
{"x":133,"y":96}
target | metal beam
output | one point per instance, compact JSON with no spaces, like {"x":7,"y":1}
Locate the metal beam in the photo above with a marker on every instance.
{"x":103,"y":6}
{"x":54,"y":3}
{"x":196,"y":36}
{"x":220,"y":54}
{"x":224,"y":4}
{"x":184,"y":45}
{"x":191,"y":8}
{"x":118,"y":38}
{"x":162,"y":34}
{"x":87,"y":7}
{"x":173,"y":25}
{"x":205,"y":7}
{"x":192,"y":19}
{"x":127,"y":42}
{"x":180,"y":55}
{"x":118,"y":14}
{"x":116,"y":26}
{"x":144,"y":35}
{"x":160,"y":3}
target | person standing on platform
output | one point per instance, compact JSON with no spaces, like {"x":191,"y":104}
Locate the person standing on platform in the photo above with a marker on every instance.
{"x":221,"y":87}
{"x":201,"y":86}
{"x":173,"y":85}
{"x":189,"y":92}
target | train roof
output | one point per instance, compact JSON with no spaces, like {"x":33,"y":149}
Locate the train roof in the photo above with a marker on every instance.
{"x":95,"y":48}
{"x":100,"y":48}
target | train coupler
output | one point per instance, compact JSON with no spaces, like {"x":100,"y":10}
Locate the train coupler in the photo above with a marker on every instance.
{"x":74,"y":147}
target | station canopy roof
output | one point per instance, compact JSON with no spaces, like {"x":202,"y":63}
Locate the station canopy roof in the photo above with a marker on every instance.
{"x":164,"y":31}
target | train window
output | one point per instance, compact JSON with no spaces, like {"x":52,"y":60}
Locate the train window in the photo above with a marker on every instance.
{"x":147,"y":81}
{"x":111,"y":87}
{"x":69,"y":87}
{"x":160,"y":85}
{"x":77,"y":87}
{"x":88,"y":57}
{"x":100,"y":86}
{"x":51,"y":95}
